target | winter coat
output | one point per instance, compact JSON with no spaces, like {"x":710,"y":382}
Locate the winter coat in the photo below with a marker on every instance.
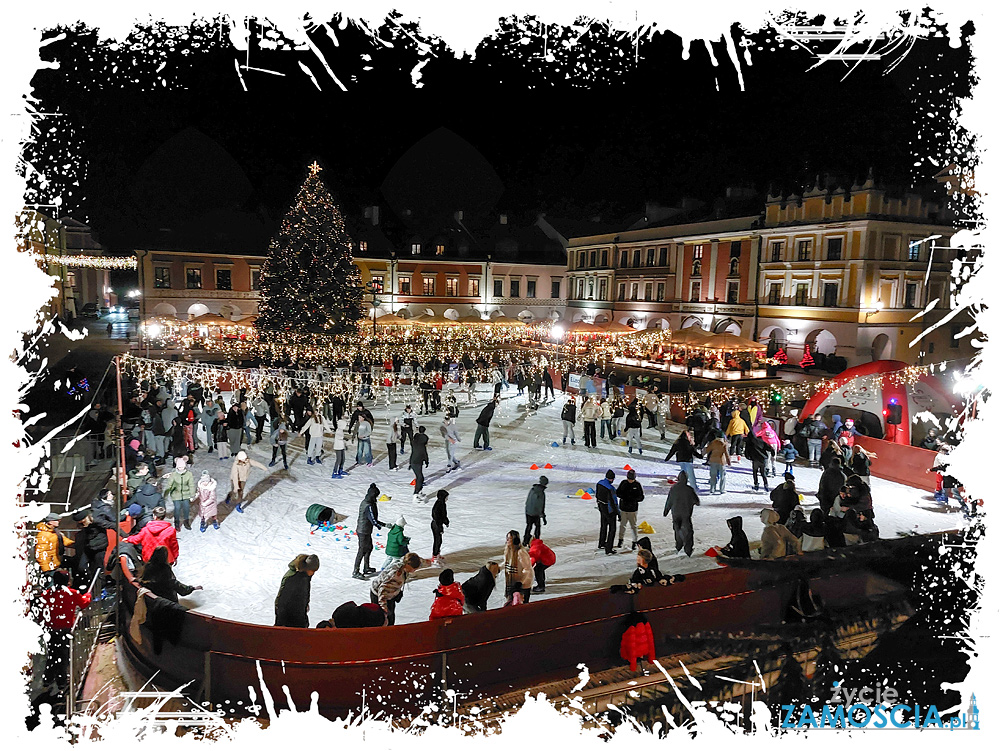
{"x":756,"y":450}
{"x":291,"y":606}
{"x":590,"y":412}
{"x":49,"y":547}
{"x":645,"y":544}
{"x":104,"y":514}
{"x":769,"y":437}
{"x":178,"y":446}
{"x":313,"y":429}
{"x":607,"y":497}
{"x":409,"y":420}
{"x":784,"y":499}
{"x":180,"y":486}
{"x":207,"y":501}
{"x":517,"y":567}
{"x":280,"y":435}
{"x":684,"y":449}
{"x":633,"y":419}
{"x":814,"y":429}
{"x":155,"y":533}
{"x":646,"y":577}
{"x":339,"y":444}
{"x":606,"y":411}
{"x":776,"y":541}
{"x":241,"y":471}
{"x":352,"y":615}
{"x":418,"y":450}
{"x":162,"y":583}
{"x":234,"y":418}
{"x":297,"y":404}
{"x":681,"y":499}
{"x":539,"y":552}
{"x":134,"y":480}
{"x":737,"y":426}
{"x":388,"y":585}
{"x":396,"y":545}
{"x":439,"y":512}
{"x":364,"y":430}
{"x":449,"y":601}
{"x":830,"y":483}
{"x":651,"y":402}
{"x":368,"y":513}
{"x":449,"y":433}
{"x":832,"y":450}
{"x":860,"y":464}
{"x":739,"y":545}
{"x":59,"y":606}
{"x":261,"y":408}
{"x":478,"y":589}
{"x":814,"y":532}
{"x":568,"y":413}
{"x":535,"y":505}
{"x":630,"y":495}
{"x":718,"y":452}
{"x":788,"y":454}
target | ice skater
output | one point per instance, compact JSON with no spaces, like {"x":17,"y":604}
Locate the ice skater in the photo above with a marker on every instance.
{"x":207,"y":502}
{"x":419,"y":460}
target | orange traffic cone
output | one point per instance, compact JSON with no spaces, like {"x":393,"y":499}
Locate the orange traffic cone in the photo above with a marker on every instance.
{"x":587,"y":497}
{"x":548,"y":466}
{"x":626,"y":468}
{"x":413,"y":481}
{"x":533,"y":466}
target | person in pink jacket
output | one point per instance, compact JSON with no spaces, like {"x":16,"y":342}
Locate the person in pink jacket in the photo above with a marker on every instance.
{"x":207,"y":504}
{"x":766,"y":432}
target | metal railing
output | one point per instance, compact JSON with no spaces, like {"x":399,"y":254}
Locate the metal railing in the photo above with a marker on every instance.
{"x":83,"y":639}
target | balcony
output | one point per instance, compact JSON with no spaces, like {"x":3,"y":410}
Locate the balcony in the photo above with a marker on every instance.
{"x":527,"y":301}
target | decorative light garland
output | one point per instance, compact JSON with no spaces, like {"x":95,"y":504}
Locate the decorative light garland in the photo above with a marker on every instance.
{"x":92,"y":262}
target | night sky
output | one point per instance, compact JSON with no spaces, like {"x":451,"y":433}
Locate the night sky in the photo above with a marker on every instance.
{"x":571,"y":140}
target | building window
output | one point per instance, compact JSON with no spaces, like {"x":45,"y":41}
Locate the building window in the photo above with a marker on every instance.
{"x":428,"y":285}
{"x":834,"y":245}
{"x":735,"y":248}
{"x":663,"y":256}
{"x":556,"y":284}
{"x":697,"y":253}
{"x":802,"y":293}
{"x":415,"y":249}
{"x":776,"y":249}
{"x":648,"y":292}
{"x":910,"y":295}
{"x":650,"y":256}
{"x":579,"y":290}
{"x":734,"y":267}
{"x":621,"y":291}
{"x":473,"y":288}
{"x":498,"y":288}
{"x":660,"y":291}
{"x":590,"y":289}
{"x":803,"y":254}
{"x":774,"y":294}
{"x":70,"y":278}
{"x":602,"y":293}
{"x":830,"y":295}
{"x":404,"y":285}
{"x":378,"y":283}
{"x":623,"y":259}
{"x":515,"y":287}
{"x":604,"y":257}
{"x":439,"y":249}
{"x":582,"y":263}
{"x":635,"y":290}
{"x":696,"y":267}
{"x":695,"y":291}
{"x":530,"y":290}
{"x":593,"y":258}
{"x":956,"y":329}
{"x":224,"y":279}
{"x":254,"y":278}
{"x":363,"y":246}
{"x":732,"y":292}
{"x":193,"y":278}
{"x":914,"y":252}
{"x":451,"y":286}
{"x":636,"y":258}
{"x":161,"y":277}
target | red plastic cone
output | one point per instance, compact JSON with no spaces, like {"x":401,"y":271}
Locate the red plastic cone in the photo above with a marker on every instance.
{"x":413,"y":481}
{"x":587,"y":497}
{"x":626,"y":468}
{"x":548,"y":466}
{"x":712,"y":552}
{"x":533,"y":466}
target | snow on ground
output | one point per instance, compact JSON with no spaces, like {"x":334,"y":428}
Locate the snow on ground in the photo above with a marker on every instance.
{"x":241,"y":564}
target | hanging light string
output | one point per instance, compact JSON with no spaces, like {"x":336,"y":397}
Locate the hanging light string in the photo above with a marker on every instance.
{"x":90,"y":262}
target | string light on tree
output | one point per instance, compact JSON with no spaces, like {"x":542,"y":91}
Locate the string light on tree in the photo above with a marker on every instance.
{"x":309,"y":282}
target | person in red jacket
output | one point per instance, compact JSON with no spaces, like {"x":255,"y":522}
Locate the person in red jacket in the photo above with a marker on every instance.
{"x":541,"y":558}
{"x":155,"y":533}
{"x":59,"y":607}
{"x":449,"y":600}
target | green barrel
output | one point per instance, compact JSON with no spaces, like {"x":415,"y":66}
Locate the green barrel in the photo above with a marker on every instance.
{"x":319,"y":514}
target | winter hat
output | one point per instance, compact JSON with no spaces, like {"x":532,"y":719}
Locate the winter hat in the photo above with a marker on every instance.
{"x":135,"y":510}
{"x":134,"y":444}
{"x":52,"y":518}
{"x":630,"y":474}
{"x":442,"y":494}
{"x":543,"y":480}
{"x":447,"y":577}
{"x":401,"y":522}
{"x":610,"y":474}
{"x":79,"y":516}
{"x":180,"y":462}
{"x":789,"y":476}
{"x":241,"y":456}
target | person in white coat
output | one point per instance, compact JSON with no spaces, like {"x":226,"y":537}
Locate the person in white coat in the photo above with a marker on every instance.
{"x":339,"y":450}
{"x":449,"y":431}
{"x":238,"y":476}
{"x":314,"y":430}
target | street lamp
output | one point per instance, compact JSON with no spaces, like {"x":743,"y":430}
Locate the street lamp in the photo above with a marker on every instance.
{"x":374,"y":290}
{"x":873,"y":310}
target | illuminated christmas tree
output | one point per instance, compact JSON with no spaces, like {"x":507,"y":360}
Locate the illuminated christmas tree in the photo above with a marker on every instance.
{"x":309,"y":282}
{"x":781,"y":357}
{"x":807,"y":360}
